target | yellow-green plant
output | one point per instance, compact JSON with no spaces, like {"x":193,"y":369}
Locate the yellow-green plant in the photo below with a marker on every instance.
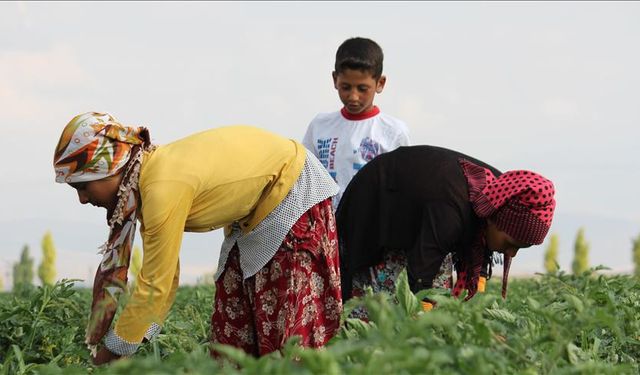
{"x":47,"y":268}
{"x":551,"y":255}
{"x":636,"y":255}
{"x":581,"y":254}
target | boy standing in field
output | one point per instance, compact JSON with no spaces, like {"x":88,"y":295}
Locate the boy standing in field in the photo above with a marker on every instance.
{"x":346,"y":140}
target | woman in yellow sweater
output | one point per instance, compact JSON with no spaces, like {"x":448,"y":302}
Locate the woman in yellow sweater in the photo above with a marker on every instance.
{"x":278,"y":273}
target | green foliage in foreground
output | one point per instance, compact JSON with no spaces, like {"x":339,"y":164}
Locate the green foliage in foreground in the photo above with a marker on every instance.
{"x":552,"y":324}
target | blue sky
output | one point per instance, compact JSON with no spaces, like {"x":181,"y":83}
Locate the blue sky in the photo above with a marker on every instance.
{"x":552,"y":87}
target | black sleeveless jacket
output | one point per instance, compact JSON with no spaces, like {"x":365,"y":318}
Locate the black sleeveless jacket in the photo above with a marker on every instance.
{"x":414,"y":199}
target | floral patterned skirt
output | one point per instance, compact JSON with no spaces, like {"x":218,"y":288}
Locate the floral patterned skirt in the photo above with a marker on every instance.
{"x":382,"y":278}
{"x":296,"y":294}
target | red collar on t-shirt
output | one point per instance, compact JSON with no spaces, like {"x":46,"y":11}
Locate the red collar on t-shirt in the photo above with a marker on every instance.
{"x":360,"y":116}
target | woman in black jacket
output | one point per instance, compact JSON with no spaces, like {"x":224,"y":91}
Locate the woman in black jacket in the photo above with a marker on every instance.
{"x":414,"y":206}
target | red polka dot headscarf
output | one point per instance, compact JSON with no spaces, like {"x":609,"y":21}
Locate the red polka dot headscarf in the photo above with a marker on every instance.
{"x":520,"y":203}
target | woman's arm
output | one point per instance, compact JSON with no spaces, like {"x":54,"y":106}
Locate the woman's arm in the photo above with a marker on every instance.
{"x":165,"y":208}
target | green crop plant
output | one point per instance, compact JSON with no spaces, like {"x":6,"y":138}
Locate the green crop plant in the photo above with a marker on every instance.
{"x":550,"y":324}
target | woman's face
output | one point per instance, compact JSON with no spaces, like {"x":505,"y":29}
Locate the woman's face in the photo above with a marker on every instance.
{"x":501,"y":242}
{"x":100,"y":193}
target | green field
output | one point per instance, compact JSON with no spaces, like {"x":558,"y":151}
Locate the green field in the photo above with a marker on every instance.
{"x":552,"y":324}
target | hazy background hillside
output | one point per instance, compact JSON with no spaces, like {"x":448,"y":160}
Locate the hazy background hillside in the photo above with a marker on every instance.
{"x":610,"y":241}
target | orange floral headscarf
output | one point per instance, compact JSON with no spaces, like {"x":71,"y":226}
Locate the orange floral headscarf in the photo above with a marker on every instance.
{"x":94,"y":146}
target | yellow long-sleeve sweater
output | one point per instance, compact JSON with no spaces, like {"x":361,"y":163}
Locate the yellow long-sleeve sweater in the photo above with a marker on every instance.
{"x":200,"y":183}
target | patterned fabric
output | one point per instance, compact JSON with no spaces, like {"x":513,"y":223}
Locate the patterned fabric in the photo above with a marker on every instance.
{"x":94,"y":146}
{"x":473,"y":281}
{"x":383,"y":276}
{"x":120,"y":346}
{"x":296,"y":294}
{"x":521,"y":203}
{"x":260,"y":245}
{"x":472,"y":265}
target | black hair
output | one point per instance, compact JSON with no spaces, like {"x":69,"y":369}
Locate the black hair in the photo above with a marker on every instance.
{"x":360,"y":54}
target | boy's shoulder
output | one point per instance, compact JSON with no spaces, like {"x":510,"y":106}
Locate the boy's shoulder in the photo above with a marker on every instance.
{"x":326,"y":117}
{"x":392,"y":121}
{"x":329,"y":115}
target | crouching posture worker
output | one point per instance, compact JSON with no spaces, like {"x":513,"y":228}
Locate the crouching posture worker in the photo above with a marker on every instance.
{"x":414,"y":206}
{"x":278,"y":273}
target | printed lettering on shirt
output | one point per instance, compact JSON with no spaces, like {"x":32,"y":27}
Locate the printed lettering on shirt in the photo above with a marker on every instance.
{"x":332,"y":153}
{"x":327,"y":154}
{"x":323,"y":151}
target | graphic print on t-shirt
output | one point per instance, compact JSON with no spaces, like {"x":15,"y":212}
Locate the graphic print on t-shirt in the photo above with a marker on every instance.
{"x":368,"y":150}
{"x":327,"y":154}
{"x":345,"y":145}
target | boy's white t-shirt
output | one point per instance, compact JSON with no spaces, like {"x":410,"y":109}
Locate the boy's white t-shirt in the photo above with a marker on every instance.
{"x":344,"y":143}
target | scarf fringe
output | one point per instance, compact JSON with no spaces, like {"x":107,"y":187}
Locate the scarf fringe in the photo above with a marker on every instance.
{"x":477,"y":180}
{"x":129,"y":184}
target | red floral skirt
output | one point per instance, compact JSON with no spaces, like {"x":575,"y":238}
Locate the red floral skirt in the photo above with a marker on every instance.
{"x":296,"y":294}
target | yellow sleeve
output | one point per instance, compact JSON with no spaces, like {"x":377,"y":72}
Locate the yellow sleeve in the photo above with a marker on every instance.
{"x":165,"y":207}
{"x":164,"y":310}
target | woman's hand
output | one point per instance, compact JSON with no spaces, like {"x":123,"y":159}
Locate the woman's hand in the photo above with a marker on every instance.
{"x":104,"y":356}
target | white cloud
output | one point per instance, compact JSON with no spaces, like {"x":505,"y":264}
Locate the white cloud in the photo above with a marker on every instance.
{"x":27,"y":79}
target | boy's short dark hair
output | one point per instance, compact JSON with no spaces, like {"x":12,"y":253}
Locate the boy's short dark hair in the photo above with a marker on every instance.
{"x":360,"y":54}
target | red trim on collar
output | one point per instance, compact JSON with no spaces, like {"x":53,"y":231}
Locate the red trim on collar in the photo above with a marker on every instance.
{"x":360,"y":116}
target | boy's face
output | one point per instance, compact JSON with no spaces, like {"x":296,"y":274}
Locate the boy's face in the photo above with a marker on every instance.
{"x":356,"y":89}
